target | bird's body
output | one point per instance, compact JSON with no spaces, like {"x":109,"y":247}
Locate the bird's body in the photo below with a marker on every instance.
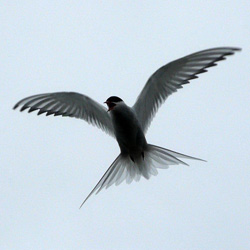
{"x":128,"y":131}
{"x":129,"y":124}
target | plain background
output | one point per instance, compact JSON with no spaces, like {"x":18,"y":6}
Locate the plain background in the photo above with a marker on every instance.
{"x":104,"y":48}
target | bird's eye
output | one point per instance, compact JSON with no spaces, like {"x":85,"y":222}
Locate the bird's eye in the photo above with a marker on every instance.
{"x":111,"y":105}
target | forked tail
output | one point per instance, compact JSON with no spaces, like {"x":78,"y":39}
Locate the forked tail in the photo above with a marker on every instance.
{"x":123,"y":168}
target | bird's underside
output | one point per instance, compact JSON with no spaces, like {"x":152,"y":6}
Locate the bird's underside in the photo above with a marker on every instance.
{"x":165,"y":81}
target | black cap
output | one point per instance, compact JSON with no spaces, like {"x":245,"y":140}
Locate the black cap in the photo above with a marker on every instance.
{"x":114,"y":99}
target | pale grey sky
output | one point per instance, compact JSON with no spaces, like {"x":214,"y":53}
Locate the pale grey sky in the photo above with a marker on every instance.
{"x":50,"y":164}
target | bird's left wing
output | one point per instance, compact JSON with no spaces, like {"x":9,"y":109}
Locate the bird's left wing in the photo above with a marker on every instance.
{"x":169,"y":78}
{"x":69,"y":104}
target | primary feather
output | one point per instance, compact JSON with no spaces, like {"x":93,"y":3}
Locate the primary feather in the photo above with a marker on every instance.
{"x":169,"y":78}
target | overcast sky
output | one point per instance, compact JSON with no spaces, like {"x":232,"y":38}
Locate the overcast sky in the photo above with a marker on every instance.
{"x":50,"y":164}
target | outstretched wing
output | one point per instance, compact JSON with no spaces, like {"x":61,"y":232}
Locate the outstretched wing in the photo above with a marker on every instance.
{"x":69,"y":104}
{"x":171,"y":77}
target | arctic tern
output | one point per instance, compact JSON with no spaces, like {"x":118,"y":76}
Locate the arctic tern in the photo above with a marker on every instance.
{"x":129,"y":124}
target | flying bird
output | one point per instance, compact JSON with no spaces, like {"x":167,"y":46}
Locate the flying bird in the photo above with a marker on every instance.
{"x":128,"y":125}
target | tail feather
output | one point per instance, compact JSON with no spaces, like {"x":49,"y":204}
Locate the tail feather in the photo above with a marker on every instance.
{"x":123,"y":168}
{"x":168,"y":158}
{"x":104,"y":179}
{"x":176,"y":154}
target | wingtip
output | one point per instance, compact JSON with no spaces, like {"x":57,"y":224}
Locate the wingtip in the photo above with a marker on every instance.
{"x":23,"y":108}
{"x":15,"y":106}
{"x":237,"y":49}
{"x":230,"y":48}
{"x":234,"y":50}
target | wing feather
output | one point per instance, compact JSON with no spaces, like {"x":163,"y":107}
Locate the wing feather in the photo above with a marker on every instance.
{"x":69,"y":104}
{"x":169,"y":78}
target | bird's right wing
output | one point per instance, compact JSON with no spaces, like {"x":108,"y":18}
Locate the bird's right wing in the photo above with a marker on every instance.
{"x":69,"y":104}
{"x":171,"y":77}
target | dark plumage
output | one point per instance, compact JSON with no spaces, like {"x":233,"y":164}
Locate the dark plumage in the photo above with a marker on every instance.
{"x":114,"y":99}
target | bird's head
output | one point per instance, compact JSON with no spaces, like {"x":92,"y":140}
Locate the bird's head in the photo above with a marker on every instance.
{"x":113,"y":101}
